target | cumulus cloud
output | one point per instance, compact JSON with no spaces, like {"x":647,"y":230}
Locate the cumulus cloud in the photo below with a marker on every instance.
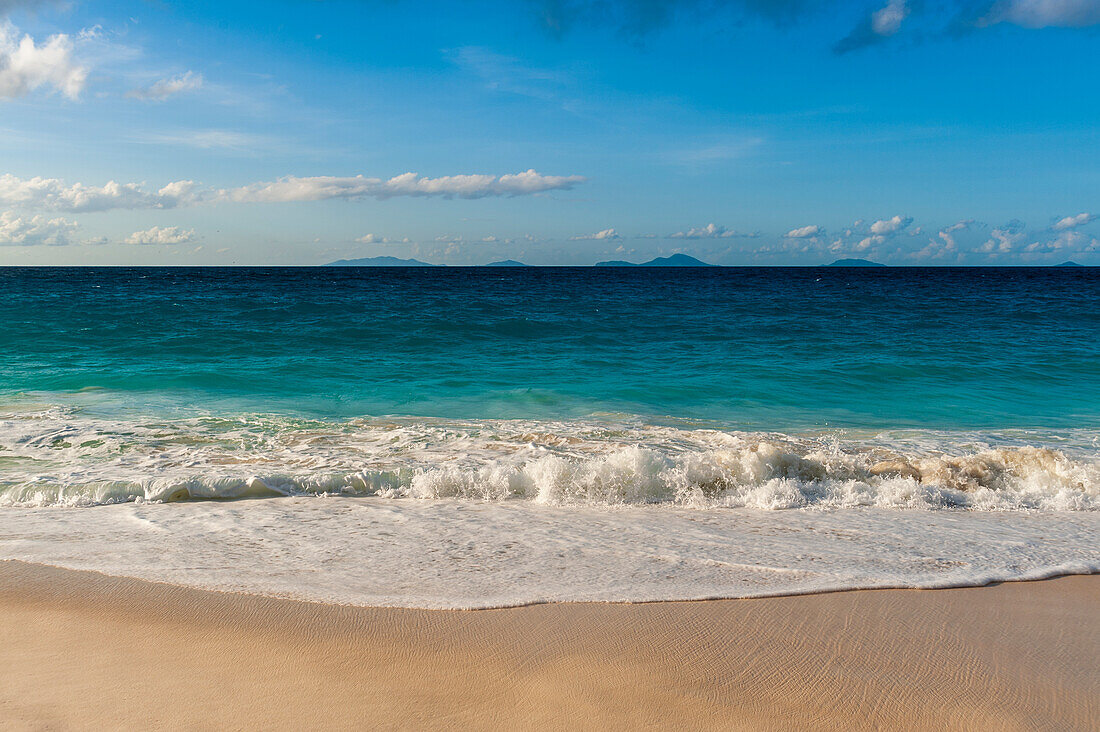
{"x":886,"y":227}
{"x":882,"y":231}
{"x":804,"y":232}
{"x":1012,"y":242}
{"x":56,"y":195}
{"x":1003,"y":239}
{"x":605,"y":235}
{"x":1072,"y":222}
{"x":26,"y":66}
{"x":165,"y":88}
{"x":162,"y":235}
{"x":1062,"y":243}
{"x":34,"y":230}
{"x":53,"y":194}
{"x":1043,"y":13}
{"x":945,"y":244}
{"x":710,"y":231}
{"x":371,"y":239}
{"x":947,"y":234}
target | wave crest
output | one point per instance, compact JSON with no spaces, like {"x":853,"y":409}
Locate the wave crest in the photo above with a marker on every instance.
{"x":766,"y":476}
{"x":60,"y":458}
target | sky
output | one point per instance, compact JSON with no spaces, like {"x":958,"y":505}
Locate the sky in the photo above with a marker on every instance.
{"x":742,"y":132}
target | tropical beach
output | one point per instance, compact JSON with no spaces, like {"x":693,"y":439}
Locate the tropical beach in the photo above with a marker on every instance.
{"x":569,"y":364}
{"x":202,"y":539}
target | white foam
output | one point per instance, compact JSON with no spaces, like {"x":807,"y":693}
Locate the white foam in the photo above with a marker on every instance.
{"x":447,"y":553}
{"x":58,"y":457}
{"x":432,"y":513}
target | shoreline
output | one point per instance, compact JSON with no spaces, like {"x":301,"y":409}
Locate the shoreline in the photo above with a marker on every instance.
{"x":779,"y":595}
{"x":79,"y":648}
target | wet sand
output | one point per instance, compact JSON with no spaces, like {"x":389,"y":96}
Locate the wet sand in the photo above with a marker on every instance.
{"x":82,"y":650}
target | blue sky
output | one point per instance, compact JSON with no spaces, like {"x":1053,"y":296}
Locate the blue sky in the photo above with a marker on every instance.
{"x":550,"y":131}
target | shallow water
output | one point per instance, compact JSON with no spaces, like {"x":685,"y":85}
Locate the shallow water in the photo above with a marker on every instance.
{"x":465,"y":554}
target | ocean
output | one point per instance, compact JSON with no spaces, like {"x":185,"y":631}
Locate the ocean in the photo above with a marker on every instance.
{"x":476,"y":437}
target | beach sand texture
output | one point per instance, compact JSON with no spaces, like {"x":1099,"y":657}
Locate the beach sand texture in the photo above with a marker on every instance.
{"x":83,"y":650}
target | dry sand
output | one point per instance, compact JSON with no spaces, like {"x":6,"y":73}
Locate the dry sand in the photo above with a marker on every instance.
{"x":81,"y":650}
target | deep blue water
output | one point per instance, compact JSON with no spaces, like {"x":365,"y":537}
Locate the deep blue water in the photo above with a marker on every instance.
{"x":749,"y":348}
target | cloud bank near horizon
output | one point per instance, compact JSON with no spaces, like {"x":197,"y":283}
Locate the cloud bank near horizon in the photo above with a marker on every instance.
{"x":892,"y":239}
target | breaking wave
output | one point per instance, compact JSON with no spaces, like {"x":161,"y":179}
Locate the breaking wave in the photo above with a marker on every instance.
{"x":58,"y":457}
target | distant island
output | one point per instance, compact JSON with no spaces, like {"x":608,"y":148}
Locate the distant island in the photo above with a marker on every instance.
{"x":855,"y":263}
{"x":676,"y":260}
{"x":1069,"y":264}
{"x":378,"y":262}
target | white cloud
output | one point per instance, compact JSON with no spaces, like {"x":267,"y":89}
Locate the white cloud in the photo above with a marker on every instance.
{"x":886,"y":227}
{"x":804,"y":232}
{"x":26,"y":66}
{"x":945,"y":245}
{"x":55,"y":195}
{"x":1072,"y":222}
{"x":710,"y":231}
{"x":408,"y":184}
{"x":189,"y":81}
{"x":162,"y":235}
{"x":1064,"y":242}
{"x":52,"y":194}
{"x":1044,"y":13}
{"x":371,"y":239}
{"x":882,"y":231}
{"x":887,"y":21}
{"x":34,"y":230}
{"x":947,"y":234}
{"x":1004,"y":239}
{"x":605,"y":235}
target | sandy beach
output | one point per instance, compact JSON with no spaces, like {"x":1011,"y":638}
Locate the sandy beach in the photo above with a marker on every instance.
{"x":81,"y":650}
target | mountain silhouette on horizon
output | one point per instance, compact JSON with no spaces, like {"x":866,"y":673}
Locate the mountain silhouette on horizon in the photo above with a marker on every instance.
{"x":675,"y":260}
{"x":854,"y":263}
{"x":379,"y":262}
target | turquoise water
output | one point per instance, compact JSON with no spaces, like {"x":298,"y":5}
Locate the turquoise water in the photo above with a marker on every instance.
{"x":477,"y":438}
{"x":761,"y":349}
{"x":766,"y":387}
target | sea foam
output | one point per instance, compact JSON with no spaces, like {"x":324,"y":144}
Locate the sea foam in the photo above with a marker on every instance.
{"x":462,"y":554}
{"x":465,"y":514}
{"x":54,"y":456}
